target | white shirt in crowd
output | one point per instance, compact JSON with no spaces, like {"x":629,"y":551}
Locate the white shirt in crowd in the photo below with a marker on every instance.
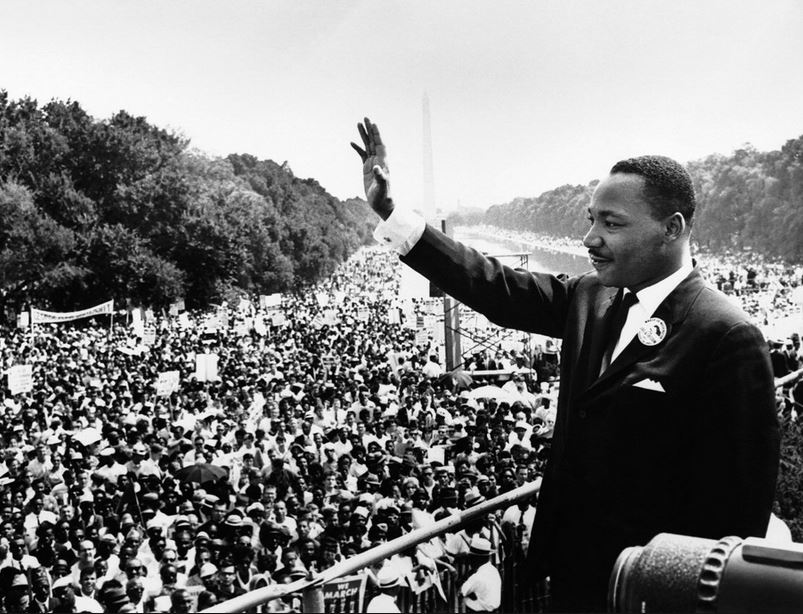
{"x":482,"y":592}
{"x":383,"y":603}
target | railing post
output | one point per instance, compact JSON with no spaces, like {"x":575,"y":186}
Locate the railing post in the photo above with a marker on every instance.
{"x":312,"y":600}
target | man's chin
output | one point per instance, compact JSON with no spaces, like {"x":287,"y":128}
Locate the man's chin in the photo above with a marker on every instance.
{"x":607,"y":278}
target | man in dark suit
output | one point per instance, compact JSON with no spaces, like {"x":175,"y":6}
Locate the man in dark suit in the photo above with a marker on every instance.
{"x":666,"y":419}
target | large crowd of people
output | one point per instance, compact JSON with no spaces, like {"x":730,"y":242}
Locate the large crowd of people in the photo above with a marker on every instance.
{"x":327,"y":426}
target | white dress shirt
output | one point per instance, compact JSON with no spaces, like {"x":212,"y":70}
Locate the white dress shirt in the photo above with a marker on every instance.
{"x":649,"y":299}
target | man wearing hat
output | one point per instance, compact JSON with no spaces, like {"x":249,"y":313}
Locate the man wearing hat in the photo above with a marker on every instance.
{"x":388,"y":581}
{"x":109,"y":469}
{"x":482,"y":590}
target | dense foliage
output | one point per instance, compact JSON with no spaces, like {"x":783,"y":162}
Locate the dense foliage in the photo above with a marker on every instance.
{"x":749,"y":200}
{"x":789,"y":492}
{"x":92,"y":210}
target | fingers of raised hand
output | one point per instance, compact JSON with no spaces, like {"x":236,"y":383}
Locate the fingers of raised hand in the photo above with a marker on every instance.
{"x":363,"y":155}
{"x":373,"y":131}
{"x":366,"y":139}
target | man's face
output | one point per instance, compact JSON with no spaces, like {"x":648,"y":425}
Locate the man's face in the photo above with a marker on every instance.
{"x":218,"y":511}
{"x":626,"y":243}
{"x":88,"y":582}
{"x":182,"y":601}
{"x":280,"y":510}
{"x":135,"y":590}
{"x":18,"y":548}
{"x":134,"y":568}
{"x":87,"y":550}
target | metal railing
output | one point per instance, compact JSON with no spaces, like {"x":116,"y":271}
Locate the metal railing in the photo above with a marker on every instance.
{"x":449,"y":524}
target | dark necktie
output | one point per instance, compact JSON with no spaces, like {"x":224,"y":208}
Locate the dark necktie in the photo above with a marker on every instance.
{"x":616,"y":322}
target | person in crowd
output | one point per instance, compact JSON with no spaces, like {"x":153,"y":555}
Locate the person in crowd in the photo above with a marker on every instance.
{"x":388,"y":582}
{"x":482,"y":591}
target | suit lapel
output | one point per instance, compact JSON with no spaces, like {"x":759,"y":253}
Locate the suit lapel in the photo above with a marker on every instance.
{"x":588,"y":361}
{"x":672,"y":311}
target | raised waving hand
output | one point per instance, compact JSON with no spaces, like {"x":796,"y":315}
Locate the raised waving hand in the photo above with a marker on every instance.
{"x":375,"y":174}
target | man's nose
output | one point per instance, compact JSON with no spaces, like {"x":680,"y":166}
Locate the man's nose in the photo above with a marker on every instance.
{"x":592,"y":239}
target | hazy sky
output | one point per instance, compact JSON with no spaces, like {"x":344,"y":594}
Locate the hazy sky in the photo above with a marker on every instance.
{"x":524,"y":96}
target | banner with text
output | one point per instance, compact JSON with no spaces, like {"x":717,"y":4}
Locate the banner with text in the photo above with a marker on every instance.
{"x":38,"y":316}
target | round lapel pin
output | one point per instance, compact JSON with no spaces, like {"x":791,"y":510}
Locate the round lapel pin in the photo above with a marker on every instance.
{"x":652,"y":332}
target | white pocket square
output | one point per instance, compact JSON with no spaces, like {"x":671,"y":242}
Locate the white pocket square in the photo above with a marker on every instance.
{"x":649,"y":384}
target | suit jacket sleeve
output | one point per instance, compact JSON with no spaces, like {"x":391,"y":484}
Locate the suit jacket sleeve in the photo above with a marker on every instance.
{"x":513,"y":298}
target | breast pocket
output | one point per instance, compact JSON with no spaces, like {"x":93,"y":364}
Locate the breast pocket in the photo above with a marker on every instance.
{"x":645,"y":425}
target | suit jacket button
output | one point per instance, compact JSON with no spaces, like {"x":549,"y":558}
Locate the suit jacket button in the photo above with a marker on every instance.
{"x":582,"y":413}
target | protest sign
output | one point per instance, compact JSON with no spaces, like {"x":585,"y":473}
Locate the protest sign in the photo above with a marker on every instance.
{"x":344,"y":594}
{"x":330,"y":317}
{"x":211,"y":325}
{"x":148,"y":335}
{"x":167,"y":383}
{"x":206,"y":367}
{"x":393,"y":361}
{"x":20,"y":379}
{"x":436,"y":454}
{"x":270,"y":301}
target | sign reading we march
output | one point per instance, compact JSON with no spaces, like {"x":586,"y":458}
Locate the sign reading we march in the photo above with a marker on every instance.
{"x":344,"y":594}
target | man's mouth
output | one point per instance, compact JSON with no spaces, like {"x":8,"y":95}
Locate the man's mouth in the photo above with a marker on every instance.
{"x":598,"y":261}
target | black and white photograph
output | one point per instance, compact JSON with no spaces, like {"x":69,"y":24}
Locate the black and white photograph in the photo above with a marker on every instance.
{"x":433,"y":307}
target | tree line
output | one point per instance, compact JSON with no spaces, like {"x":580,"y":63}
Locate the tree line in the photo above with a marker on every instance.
{"x":747,"y":201}
{"x":122,"y":209}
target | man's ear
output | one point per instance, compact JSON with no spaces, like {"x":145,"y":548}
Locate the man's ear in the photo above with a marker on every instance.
{"x":675,"y":226}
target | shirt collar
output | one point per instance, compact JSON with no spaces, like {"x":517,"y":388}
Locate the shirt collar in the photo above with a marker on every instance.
{"x":650,"y":297}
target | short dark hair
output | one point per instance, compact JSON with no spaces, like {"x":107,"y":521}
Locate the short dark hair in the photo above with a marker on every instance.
{"x":667,"y":185}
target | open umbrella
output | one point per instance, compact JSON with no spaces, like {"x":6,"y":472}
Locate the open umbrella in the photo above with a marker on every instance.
{"x":200,"y":473}
{"x":492,"y":392}
{"x":458,"y":378}
{"x":87,"y":436}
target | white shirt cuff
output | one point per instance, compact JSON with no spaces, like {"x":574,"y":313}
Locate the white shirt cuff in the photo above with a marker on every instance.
{"x":401,"y":231}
